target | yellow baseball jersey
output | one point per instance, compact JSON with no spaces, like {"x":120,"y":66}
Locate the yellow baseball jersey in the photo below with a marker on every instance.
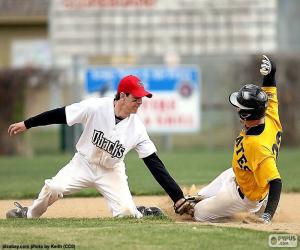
{"x":254,"y":156}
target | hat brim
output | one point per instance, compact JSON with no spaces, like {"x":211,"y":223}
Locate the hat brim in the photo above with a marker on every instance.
{"x":233,"y":100}
{"x":141,"y":93}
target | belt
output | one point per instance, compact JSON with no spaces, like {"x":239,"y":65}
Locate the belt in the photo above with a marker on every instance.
{"x":239,"y":190}
{"x":240,"y":193}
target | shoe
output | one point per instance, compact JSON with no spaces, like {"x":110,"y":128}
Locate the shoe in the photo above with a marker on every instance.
{"x":156,"y":211}
{"x":19,"y":212}
{"x":150,"y":211}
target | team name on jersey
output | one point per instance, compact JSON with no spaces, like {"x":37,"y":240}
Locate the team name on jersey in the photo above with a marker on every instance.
{"x":242,"y":160}
{"x":115,"y":149}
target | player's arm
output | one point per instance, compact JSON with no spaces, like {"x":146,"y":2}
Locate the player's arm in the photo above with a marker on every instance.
{"x":146,"y":151}
{"x":273,"y":199}
{"x":268,"y":70}
{"x":55,"y":116}
{"x":162,"y":176}
{"x":182,"y":205}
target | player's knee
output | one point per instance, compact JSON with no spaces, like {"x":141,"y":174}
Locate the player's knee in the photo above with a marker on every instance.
{"x":202,"y":213}
{"x":53,"y":189}
{"x":198,"y":216}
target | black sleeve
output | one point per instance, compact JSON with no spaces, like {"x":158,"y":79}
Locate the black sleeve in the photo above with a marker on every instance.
{"x":55,"y":116}
{"x":162,"y":176}
{"x":274,"y":196}
{"x":269,"y":80}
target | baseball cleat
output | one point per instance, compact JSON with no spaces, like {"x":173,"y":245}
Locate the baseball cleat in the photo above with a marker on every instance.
{"x":150,"y":211}
{"x":19,"y":212}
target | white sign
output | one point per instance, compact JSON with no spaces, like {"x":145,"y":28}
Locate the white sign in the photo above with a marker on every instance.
{"x":170,"y":112}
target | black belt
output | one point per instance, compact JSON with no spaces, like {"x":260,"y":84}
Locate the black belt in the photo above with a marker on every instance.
{"x":243,"y":196}
{"x":239,"y":190}
{"x":240,"y":193}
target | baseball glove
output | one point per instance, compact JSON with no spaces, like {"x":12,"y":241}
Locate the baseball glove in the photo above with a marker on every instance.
{"x":267,"y":66}
{"x":187,"y":206}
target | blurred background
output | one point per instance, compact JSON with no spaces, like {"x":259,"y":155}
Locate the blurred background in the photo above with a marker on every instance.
{"x":191,"y":53}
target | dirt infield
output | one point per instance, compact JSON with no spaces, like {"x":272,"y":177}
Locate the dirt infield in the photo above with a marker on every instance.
{"x":287,"y":218}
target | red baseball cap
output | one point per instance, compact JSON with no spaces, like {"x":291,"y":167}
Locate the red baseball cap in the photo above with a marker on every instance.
{"x":133,"y":85}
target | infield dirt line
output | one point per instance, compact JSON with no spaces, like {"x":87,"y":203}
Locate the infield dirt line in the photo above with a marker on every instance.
{"x":286,"y":220}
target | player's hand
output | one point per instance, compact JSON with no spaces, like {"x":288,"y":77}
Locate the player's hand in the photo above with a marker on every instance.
{"x":266,"y":218}
{"x":16,"y":128}
{"x":266,"y":66}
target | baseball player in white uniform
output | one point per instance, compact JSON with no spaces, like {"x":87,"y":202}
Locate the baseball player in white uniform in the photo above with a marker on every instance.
{"x":111,"y":128}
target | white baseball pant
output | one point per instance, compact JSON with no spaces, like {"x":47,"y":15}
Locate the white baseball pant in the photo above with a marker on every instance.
{"x":222,"y":199}
{"x":79,"y":174}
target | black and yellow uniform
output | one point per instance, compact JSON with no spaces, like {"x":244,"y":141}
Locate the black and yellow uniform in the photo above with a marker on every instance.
{"x":256,"y":150}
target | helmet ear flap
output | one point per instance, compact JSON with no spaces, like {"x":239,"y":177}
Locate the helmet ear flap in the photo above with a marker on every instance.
{"x":244,"y":114}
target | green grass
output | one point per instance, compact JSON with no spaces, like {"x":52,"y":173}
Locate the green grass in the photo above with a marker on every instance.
{"x":43,"y":141}
{"x":22,"y":177}
{"x":128,"y":233}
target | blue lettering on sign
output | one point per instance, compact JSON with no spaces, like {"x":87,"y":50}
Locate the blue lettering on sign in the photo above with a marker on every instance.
{"x":154,"y":78}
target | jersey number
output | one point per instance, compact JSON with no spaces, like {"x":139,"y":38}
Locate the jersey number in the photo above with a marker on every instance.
{"x":276,"y":146}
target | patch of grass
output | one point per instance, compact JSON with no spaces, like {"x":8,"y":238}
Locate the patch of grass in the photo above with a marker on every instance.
{"x":44,"y":141}
{"x":288,"y":160}
{"x":22,"y":177}
{"x":128,"y":233}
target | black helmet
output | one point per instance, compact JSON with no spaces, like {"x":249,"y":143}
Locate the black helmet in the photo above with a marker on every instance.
{"x":251,"y":102}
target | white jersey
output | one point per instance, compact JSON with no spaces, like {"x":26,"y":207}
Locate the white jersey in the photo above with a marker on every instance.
{"x":103,"y":142}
